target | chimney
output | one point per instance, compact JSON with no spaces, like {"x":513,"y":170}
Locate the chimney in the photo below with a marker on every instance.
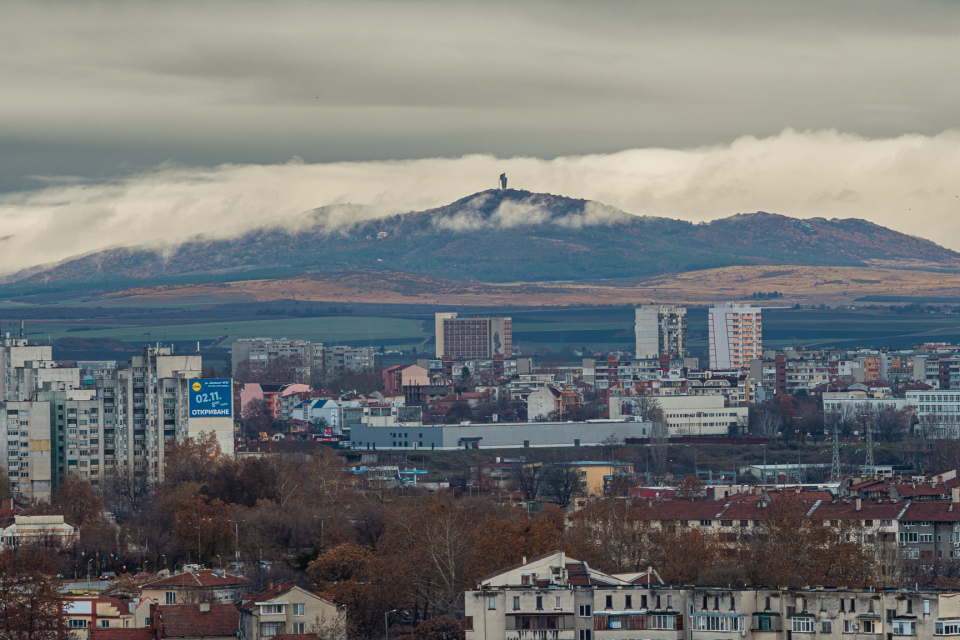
{"x":858,"y":505}
{"x":524,"y":560}
{"x":204,"y":607}
{"x":955,"y":494}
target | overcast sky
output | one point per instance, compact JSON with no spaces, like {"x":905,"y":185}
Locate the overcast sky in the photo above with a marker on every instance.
{"x":109,"y":92}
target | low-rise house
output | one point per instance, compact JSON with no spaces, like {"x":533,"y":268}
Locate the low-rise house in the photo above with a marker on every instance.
{"x":284,"y":608}
{"x":192,"y":587}
{"x":202,"y":621}
{"x":48,"y":531}
{"x":84,"y":613}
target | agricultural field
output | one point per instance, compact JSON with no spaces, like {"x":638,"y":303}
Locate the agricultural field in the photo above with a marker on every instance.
{"x":82,"y":330}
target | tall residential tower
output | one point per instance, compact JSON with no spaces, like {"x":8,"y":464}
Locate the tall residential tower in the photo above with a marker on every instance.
{"x":661,"y":330}
{"x":735,"y":336}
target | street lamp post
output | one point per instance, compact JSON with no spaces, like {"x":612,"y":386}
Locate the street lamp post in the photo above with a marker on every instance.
{"x":386,"y":626}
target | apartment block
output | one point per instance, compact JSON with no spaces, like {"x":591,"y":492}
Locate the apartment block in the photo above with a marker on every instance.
{"x":938,"y":411}
{"x":473,"y":337}
{"x":267,"y":350}
{"x":82,"y":443}
{"x":735,"y":335}
{"x":558,"y":597}
{"x":660,"y":330}
{"x":339,"y":361}
{"x":27,"y":368}
{"x":26,"y":430}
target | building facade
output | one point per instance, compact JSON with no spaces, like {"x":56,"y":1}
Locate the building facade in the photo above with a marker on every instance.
{"x":660,"y":330}
{"x":473,"y":337}
{"x":561,"y":598}
{"x":735,"y":336}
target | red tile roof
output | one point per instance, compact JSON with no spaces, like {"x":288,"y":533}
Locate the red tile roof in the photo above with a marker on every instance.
{"x":932,"y":512}
{"x":180,"y":621}
{"x":122,"y":634}
{"x":267,"y":594}
{"x":921,"y":490}
{"x":196,"y":580}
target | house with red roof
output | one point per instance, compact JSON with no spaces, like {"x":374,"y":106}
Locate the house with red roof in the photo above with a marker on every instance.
{"x":203,"y":621}
{"x":284,"y":608}
{"x":203,"y":585}
{"x":84,"y":613}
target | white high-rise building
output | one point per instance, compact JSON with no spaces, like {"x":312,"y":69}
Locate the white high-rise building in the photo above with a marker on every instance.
{"x":661,"y":330}
{"x":735,"y":336}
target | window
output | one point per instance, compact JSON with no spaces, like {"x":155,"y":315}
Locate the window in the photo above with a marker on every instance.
{"x":717,"y":623}
{"x":904,"y":628}
{"x":909,"y":536}
{"x":270,"y":629}
{"x":299,"y":627}
{"x":608,"y":602}
{"x":585,"y":634}
{"x":764,"y":623}
{"x":926,"y":537}
{"x":628,"y":602}
{"x":300,"y":609}
{"x":951,"y":628}
{"x":171,"y":597}
{"x":516,"y":603}
{"x":78,"y":624}
{"x":525,"y":578}
{"x":556,"y":604}
{"x":104,"y":624}
{"x":271,"y":609}
{"x":866,"y":626}
{"x":492,"y":603}
{"x":826,"y":626}
{"x":468,"y":623}
{"x":661,"y":622}
{"x":848,"y":626}
{"x":539,"y":603}
{"x":803,"y":625}
{"x":584,"y":611}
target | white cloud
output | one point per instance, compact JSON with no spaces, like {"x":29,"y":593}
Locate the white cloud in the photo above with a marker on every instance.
{"x":907,"y":183}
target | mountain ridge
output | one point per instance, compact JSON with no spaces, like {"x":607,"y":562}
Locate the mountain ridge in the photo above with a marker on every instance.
{"x":512,"y":235}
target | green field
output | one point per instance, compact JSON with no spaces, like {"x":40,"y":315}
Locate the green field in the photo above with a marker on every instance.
{"x":331,"y":329}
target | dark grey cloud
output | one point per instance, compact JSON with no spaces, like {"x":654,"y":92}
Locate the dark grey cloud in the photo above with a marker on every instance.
{"x":101,"y":88}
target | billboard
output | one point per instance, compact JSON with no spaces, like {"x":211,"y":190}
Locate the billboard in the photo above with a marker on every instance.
{"x":211,"y":398}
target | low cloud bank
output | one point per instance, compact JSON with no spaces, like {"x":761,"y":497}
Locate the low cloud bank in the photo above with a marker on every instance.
{"x":907,"y":183}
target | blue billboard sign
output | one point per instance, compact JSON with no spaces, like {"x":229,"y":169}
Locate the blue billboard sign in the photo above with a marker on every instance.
{"x":211,"y":398}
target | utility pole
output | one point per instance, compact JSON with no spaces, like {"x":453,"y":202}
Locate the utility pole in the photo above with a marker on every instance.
{"x":868,"y":466}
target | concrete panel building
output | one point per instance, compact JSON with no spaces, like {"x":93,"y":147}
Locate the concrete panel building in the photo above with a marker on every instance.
{"x":26,"y":430}
{"x":735,"y":336}
{"x":660,"y":330}
{"x":690,"y":415}
{"x":473,"y":337}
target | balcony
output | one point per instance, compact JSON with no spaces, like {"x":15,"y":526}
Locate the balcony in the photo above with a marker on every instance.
{"x":541,"y":634}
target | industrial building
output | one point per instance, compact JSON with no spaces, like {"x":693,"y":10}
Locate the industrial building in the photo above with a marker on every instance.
{"x":502,"y":435}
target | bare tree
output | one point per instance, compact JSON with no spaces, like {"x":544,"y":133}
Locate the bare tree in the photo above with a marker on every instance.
{"x":528,"y":479}
{"x":560,"y":483}
{"x":765,"y":423}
